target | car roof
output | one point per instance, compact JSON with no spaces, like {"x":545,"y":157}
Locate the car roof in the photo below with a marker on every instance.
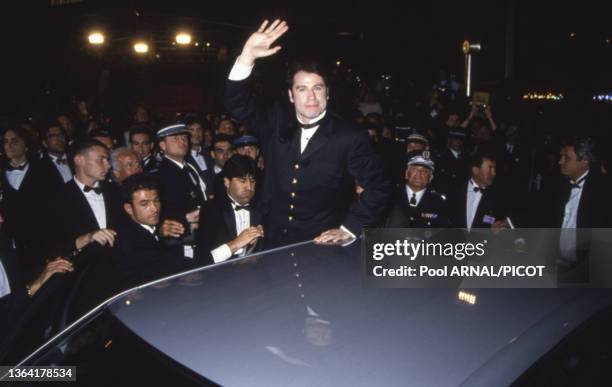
{"x":300,"y":316}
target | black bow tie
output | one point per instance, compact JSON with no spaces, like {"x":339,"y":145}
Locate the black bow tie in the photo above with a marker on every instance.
{"x":311,"y":125}
{"x":61,"y":161}
{"x":479,"y":189}
{"x":97,"y":190}
{"x":238,"y":207}
{"x":17,"y":168}
{"x":577,"y":184}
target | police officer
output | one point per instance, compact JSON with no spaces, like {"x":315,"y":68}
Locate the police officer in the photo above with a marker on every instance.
{"x":418,"y":206}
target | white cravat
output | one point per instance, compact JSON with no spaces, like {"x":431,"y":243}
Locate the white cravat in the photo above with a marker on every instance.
{"x":473,"y":200}
{"x":96,"y":203}
{"x":308,"y":133}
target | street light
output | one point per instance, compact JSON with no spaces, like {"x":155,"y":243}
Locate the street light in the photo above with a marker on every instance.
{"x":96,"y":38}
{"x":468,"y":49}
{"x":183,"y":38}
{"x":141,"y":47}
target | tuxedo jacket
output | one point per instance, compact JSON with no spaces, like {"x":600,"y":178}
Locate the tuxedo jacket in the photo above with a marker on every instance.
{"x":14,"y":303}
{"x":431,"y":212}
{"x":140,"y":256}
{"x":71,"y":216}
{"x":594,"y":207}
{"x":23,"y":212}
{"x":53,"y":178}
{"x":307,"y":193}
{"x":218,"y":226}
{"x":490,"y":208}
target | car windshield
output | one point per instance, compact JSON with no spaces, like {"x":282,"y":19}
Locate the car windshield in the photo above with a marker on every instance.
{"x":301,"y":314}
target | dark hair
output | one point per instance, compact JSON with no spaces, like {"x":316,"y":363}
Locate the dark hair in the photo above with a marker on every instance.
{"x":23,"y":135}
{"x":80,"y":148}
{"x":141,"y":130}
{"x":478,"y":157}
{"x":239,"y":166}
{"x":222,"y":137}
{"x":585,"y":149}
{"x":100,"y":133}
{"x":52,"y":124}
{"x":135,"y":183}
{"x":308,"y":66}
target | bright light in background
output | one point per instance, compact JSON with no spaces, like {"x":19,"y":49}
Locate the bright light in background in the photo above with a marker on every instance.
{"x":207,"y":44}
{"x":96,"y":38}
{"x":141,"y":48}
{"x":183,"y":38}
{"x":467,"y":297}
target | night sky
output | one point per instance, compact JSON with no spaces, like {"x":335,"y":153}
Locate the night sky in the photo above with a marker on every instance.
{"x":45,"y":48}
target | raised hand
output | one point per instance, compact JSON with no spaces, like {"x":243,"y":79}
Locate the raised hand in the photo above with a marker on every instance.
{"x":258,"y":44}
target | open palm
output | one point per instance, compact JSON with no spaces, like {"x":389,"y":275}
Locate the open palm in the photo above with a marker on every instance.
{"x":259,"y":43}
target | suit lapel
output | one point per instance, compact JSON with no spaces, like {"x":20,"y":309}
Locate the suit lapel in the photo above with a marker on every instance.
{"x":83,"y":205}
{"x":320,"y":138}
{"x":229,"y":217}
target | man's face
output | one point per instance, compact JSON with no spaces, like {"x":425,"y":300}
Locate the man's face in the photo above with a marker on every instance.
{"x":309,"y":95}
{"x":142,"y":145}
{"x":93,"y":163}
{"x":249,"y":150}
{"x":221,"y":153}
{"x":485,"y":174}
{"x":452,"y":120}
{"x":241,"y":189}
{"x":107,"y":141}
{"x":226,"y":127}
{"x":14,"y":146}
{"x":418,"y":177}
{"x":413,"y":146}
{"x":175,"y":146}
{"x":196,"y":133}
{"x":129,"y":165}
{"x":65,"y":122}
{"x":455,"y":143}
{"x":145,"y":207}
{"x":569,"y":164}
{"x":55,"y":141}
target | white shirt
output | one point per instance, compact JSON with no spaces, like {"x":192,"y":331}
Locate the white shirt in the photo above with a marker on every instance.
{"x":150,"y":229}
{"x":455,"y":153}
{"x":217,"y":169}
{"x":63,"y":169}
{"x":418,"y":195}
{"x":5,"y":287}
{"x":96,"y":203}
{"x":199,"y":159}
{"x":473,"y":200}
{"x":571,"y":207}
{"x":200,"y":182}
{"x":15,"y":178}
{"x":243,"y":221}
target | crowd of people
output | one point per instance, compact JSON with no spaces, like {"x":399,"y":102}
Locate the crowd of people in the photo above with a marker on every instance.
{"x":82,"y":201}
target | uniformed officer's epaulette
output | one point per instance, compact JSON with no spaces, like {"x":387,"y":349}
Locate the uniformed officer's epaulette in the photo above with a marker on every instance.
{"x":436,"y":193}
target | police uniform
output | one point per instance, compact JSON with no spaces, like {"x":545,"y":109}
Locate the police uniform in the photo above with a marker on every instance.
{"x":426,"y":209}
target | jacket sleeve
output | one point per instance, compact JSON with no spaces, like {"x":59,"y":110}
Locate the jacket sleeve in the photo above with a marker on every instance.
{"x":366,"y":167}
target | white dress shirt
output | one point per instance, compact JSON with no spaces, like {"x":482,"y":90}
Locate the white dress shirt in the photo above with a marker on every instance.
{"x":5,"y":287}
{"x":15,"y":178}
{"x":570,"y":217}
{"x":418,"y":195}
{"x":243,"y":221}
{"x":217,"y":169}
{"x":199,"y":159}
{"x":96,"y":203}
{"x":473,"y":200}
{"x":63,"y":169}
{"x":455,"y":153}
{"x":200,"y":182}
{"x":150,"y":229}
